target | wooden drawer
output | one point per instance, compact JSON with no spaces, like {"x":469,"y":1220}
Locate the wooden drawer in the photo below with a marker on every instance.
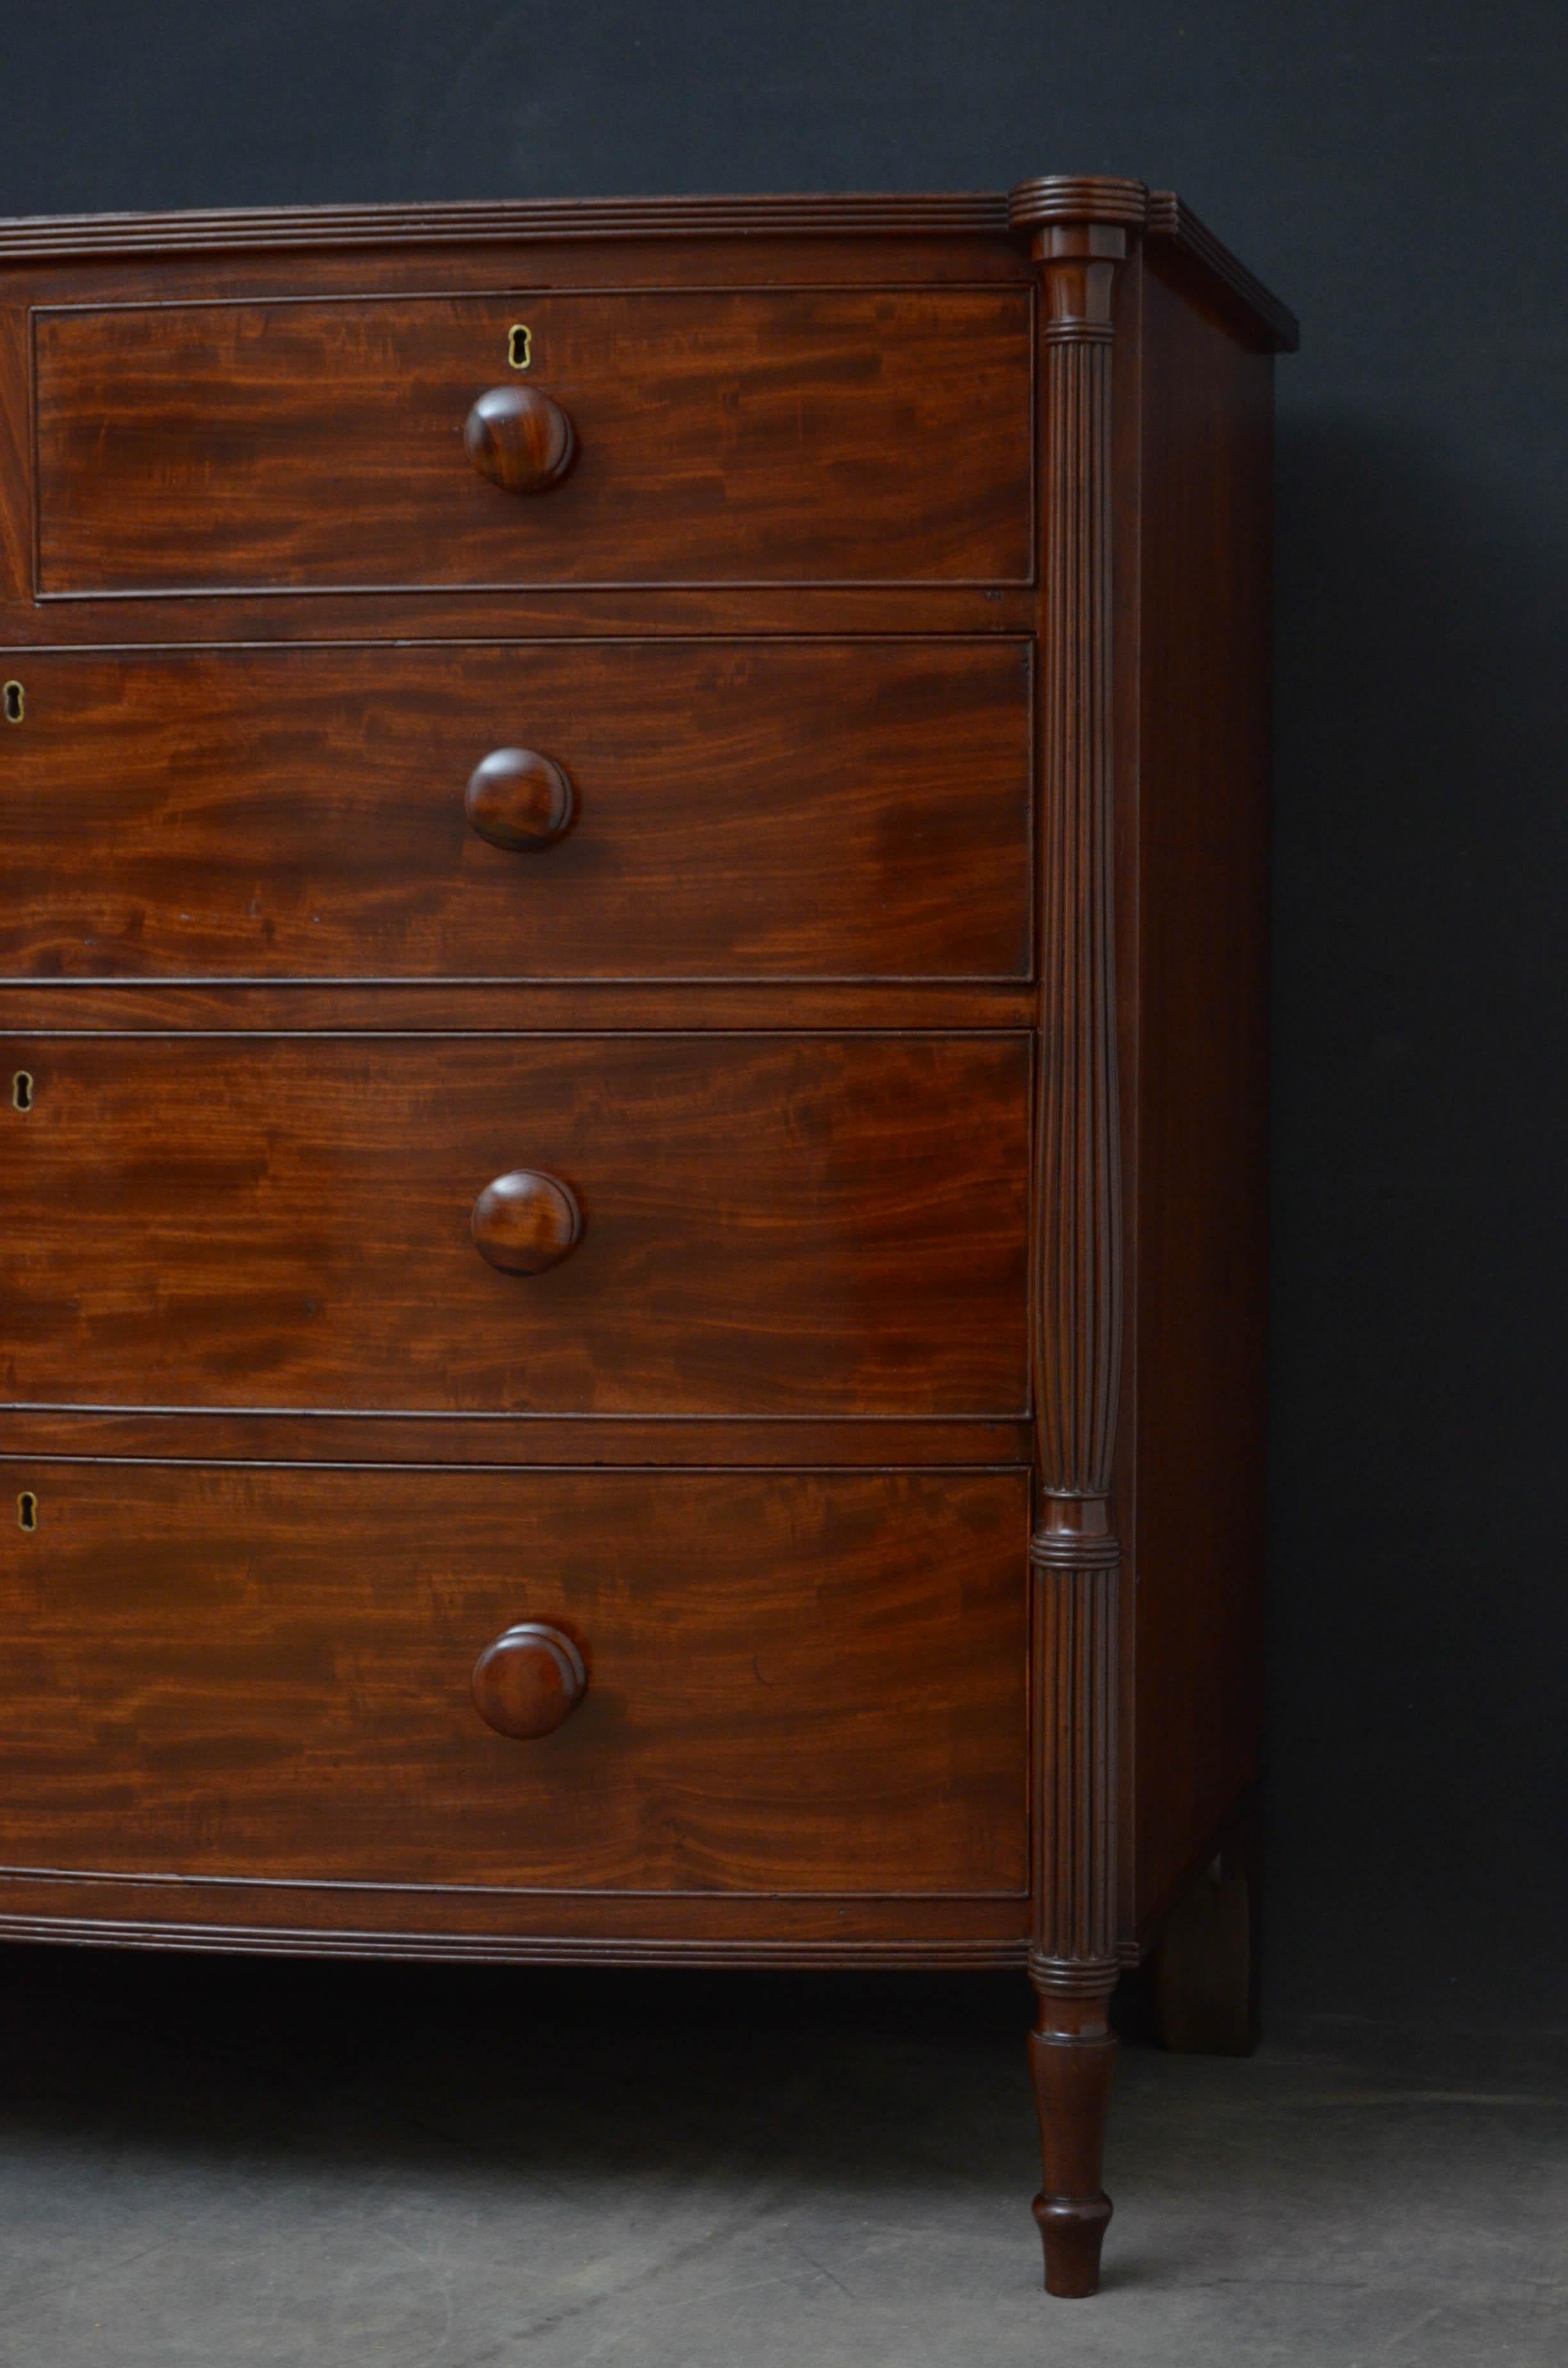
{"x":800,"y":809}
{"x":770,"y":1225}
{"x":794,"y":1681}
{"x":723,"y":436}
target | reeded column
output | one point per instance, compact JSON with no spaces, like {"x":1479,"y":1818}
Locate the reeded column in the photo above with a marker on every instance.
{"x":1080,"y":240}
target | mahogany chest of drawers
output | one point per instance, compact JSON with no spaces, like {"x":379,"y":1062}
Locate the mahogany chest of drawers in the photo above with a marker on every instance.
{"x":631,"y":983}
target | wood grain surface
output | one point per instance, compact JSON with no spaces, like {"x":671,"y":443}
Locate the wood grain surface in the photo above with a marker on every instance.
{"x":1201,"y":1206}
{"x":767,"y":810}
{"x":503,"y":1439}
{"x":771,"y":1223}
{"x":810,"y":236}
{"x":801,"y":1682}
{"x":753,"y":434}
{"x":577,"y":1376}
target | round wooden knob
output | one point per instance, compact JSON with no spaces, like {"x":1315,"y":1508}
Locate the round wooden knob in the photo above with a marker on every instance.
{"x":526,"y":1222}
{"x":528,"y":1681}
{"x":520,"y":439}
{"x":517,"y":799}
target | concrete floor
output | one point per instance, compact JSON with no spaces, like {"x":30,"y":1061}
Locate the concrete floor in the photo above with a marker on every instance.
{"x":358,"y":2166}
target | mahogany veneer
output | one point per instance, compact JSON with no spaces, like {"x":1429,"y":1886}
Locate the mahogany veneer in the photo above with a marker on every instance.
{"x":743,"y":436}
{"x":631,"y":1091}
{"x":701,"y":809}
{"x":797,"y":1225}
{"x":841,"y":1711}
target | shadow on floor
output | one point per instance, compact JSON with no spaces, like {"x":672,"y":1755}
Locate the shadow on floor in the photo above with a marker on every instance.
{"x":325,"y":2166}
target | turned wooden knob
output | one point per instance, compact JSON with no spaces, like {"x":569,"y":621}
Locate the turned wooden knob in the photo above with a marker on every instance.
{"x":518,"y":799}
{"x":520,"y":439}
{"x":528,"y":1681}
{"x":526,"y":1222}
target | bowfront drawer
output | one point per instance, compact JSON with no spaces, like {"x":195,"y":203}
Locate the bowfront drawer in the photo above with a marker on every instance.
{"x":647,"y":1224}
{"x":561,"y":1678}
{"x":633,"y":810}
{"x":720,"y":436}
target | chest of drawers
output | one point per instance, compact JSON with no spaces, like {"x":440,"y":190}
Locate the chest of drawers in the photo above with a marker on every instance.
{"x":631,"y":1036}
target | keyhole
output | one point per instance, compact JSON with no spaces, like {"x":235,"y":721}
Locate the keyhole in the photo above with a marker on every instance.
{"x":517,"y":347}
{"x":27,"y":1510}
{"x":22,"y":1090}
{"x":16,"y":700}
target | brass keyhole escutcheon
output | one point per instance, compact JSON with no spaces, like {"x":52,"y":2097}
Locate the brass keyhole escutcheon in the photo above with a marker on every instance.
{"x":22,"y":1090}
{"x":27,"y":1510}
{"x":16,"y":702}
{"x":518,"y":341}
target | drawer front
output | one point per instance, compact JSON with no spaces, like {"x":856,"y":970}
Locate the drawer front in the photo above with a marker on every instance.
{"x":793,"y":1682}
{"x":736,"y":436}
{"x":768,"y":1225}
{"x":731,"y":809}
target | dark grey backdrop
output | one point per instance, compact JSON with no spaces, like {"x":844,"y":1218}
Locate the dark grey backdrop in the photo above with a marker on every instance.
{"x":1397,"y":173}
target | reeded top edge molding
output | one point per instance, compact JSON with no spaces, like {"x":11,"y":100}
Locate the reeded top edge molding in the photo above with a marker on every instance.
{"x":1168,"y":218}
{"x":463,"y":220}
{"x":249,"y":229}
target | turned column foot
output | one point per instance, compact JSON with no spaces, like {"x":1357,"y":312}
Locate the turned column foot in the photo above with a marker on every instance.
{"x":1072,"y":2056}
